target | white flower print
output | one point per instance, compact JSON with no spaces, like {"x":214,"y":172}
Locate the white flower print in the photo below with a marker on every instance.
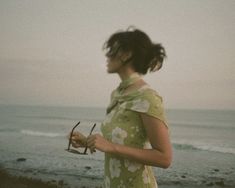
{"x":118,"y":135}
{"x":123,"y":105}
{"x":131,"y":165}
{"x":146,"y":177}
{"x":114,"y":167}
{"x":147,"y":145}
{"x":134,"y":128}
{"x":140,"y":105}
{"x":121,"y":185}
{"x":107,"y":182}
{"x":121,"y":109}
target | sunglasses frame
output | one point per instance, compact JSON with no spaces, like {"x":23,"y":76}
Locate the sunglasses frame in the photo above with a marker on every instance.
{"x":70,"y":141}
{"x":113,"y":50}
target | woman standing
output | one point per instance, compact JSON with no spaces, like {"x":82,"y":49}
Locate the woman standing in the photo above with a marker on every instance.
{"x":135,"y":131}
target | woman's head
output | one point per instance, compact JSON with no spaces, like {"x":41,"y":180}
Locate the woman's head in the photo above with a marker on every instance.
{"x":144,"y":55}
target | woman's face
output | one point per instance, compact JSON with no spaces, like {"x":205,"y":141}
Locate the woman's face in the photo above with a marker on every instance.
{"x":114,"y":64}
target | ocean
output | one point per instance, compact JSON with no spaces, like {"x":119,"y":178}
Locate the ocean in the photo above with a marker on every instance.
{"x":33,"y":140}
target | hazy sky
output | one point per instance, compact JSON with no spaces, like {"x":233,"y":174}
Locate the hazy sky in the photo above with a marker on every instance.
{"x":51,"y":51}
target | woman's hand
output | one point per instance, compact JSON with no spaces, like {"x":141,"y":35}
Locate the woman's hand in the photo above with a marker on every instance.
{"x":78,"y":140}
{"x":96,"y":141}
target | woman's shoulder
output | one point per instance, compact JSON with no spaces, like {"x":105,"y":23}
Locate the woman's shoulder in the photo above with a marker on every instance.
{"x":147,"y":92}
{"x":147,"y":101}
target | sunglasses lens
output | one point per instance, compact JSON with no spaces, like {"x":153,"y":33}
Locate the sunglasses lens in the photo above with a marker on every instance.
{"x":113,"y":50}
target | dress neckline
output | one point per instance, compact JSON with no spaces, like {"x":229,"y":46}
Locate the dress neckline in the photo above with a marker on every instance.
{"x":119,"y":97}
{"x":129,"y":81}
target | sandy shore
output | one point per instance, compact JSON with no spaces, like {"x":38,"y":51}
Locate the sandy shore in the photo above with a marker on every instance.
{"x":10,"y":181}
{"x":190,"y":169}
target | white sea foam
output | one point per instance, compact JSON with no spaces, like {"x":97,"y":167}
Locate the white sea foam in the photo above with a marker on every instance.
{"x":200,"y":146}
{"x":38,"y":133}
{"x":217,"y":149}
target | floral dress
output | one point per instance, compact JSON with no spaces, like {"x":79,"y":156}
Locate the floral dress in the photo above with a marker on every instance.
{"x":123,"y":125}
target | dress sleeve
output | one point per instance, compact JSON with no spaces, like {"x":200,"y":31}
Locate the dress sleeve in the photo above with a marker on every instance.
{"x":151,"y":104}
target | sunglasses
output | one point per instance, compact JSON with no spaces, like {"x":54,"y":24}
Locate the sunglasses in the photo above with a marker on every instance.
{"x":70,"y":141}
{"x":113,"y":50}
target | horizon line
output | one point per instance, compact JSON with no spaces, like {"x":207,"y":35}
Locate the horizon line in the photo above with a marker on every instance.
{"x":104,"y":107}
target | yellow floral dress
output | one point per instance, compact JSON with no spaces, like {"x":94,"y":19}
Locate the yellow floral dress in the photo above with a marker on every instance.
{"x":123,"y":125}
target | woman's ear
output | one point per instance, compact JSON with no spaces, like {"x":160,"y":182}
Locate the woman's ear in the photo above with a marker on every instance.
{"x":126,"y":57}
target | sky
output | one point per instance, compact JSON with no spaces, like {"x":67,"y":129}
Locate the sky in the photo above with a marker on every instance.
{"x":51,"y":51}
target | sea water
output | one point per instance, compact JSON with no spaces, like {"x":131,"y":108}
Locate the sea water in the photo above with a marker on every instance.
{"x":33,"y":139}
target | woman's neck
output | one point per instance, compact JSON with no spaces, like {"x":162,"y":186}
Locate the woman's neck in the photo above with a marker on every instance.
{"x":125,"y":73}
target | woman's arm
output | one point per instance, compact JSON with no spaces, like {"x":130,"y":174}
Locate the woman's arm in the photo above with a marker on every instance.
{"x":160,"y":155}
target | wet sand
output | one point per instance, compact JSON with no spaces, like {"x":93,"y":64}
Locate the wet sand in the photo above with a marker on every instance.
{"x":10,"y":181}
{"x":190,"y":169}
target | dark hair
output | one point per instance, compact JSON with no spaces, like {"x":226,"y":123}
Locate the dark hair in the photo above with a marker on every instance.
{"x":146,"y":55}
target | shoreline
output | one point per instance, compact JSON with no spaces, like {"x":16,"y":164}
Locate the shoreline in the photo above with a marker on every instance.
{"x":11,"y":181}
{"x":8,"y":180}
{"x":204,"y":169}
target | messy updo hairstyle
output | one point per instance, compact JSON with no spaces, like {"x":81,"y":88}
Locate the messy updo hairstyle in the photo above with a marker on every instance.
{"x":146,"y":55}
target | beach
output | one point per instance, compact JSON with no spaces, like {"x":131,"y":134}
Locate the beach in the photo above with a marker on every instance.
{"x":33,"y":142}
{"x":186,"y":171}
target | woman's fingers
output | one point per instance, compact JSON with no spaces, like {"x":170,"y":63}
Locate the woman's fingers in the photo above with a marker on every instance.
{"x":75,"y":145}
{"x":78,"y":142}
{"x":77,"y":139}
{"x":91,"y":140}
{"x":91,"y":143}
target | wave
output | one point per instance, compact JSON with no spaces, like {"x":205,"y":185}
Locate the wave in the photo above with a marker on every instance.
{"x":38,"y":133}
{"x":88,"y":119}
{"x":177,"y":145}
{"x":222,"y":125}
{"x":47,"y":117}
{"x":181,"y":146}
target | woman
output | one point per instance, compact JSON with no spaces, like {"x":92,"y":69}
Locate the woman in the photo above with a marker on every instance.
{"x":135,"y":131}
